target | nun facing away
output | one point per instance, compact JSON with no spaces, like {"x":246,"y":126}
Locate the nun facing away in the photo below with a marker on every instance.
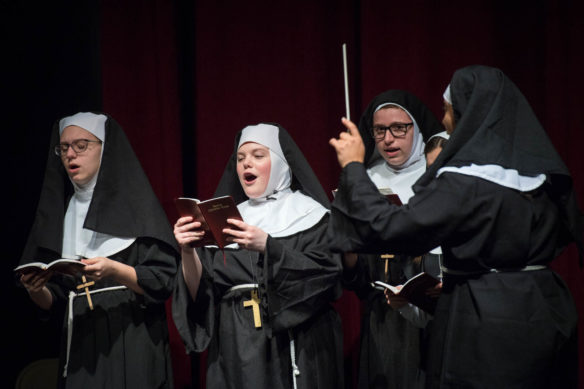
{"x":97,"y":205}
{"x":499,"y":201}
{"x":278,"y":258}
{"x":393,"y":127}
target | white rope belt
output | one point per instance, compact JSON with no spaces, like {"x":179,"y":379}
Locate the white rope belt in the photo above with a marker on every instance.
{"x":242,"y":286}
{"x":295,"y":370}
{"x":72,"y":296}
{"x":455,"y":272}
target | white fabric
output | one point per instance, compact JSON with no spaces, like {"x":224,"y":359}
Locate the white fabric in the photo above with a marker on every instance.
{"x":446,"y":95}
{"x":280,"y":175}
{"x":79,"y":242}
{"x":94,"y":123}
{"x":279,"y":211}
{"x":288,"y":213}
{"x":401,"y":181}
{"x":417,"y":151}
{"x":509,"y":178}
{"x":442,"y":134}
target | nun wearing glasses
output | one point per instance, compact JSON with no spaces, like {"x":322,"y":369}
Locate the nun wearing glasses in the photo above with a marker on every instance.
{"x":97,"y":206}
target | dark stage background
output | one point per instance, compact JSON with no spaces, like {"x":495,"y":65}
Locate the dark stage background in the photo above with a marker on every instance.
{"x":182,"y":77}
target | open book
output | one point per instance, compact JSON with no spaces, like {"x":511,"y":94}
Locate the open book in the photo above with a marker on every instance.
{"x":63,"y":265}
{"x":212,"y":214}
{"x":414,"y":290}
{"x":392,"y":197}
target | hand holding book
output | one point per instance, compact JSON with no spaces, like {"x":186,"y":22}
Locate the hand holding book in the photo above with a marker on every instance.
{"x":207,"y":221}
{"x":415,"y":290}
{"x":246,"y":236}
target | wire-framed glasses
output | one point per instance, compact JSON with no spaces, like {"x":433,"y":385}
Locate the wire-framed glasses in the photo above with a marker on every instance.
{"x":78,"y":145}
{"x":397,"y":130}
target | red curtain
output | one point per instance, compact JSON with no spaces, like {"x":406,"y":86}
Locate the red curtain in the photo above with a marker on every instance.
{"x":264,"y":61}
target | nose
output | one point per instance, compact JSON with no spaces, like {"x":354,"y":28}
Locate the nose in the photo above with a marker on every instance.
{"x":70,"y":153}
{"x":388,"y":137}
{"x":246,"y":162}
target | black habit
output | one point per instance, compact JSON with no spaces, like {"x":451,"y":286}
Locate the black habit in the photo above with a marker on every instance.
{"x":500,"y":322}
{"x":391,"y":353}
{"x":298,"y":278}
{"x":123,"y":342}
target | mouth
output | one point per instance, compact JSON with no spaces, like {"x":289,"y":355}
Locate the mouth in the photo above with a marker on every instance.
{"x":249,"y":178}
{"x":391,"y":151}
{"x":73,"y":168}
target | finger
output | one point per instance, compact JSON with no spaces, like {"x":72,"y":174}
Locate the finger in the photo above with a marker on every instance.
{"x":234,"y":233}
{"x":236,"y":222}
{"x":187,"y":240}
{"x":334,"y":142}
{"x":183,"y":220}
{"x":189,"y":227}
{"x":351,"y":127}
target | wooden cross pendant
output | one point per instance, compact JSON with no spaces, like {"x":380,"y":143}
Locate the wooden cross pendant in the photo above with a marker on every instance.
{"x":387,"y":257}
{"x":85,"y":285}
{"x":254,"y":302}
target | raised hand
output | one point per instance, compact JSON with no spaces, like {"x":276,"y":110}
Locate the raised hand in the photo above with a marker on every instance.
{"x":349,"y":146}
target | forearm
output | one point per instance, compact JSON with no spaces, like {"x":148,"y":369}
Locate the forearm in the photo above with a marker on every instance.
{"x":192,"y":270}
{"x":126,"y":275}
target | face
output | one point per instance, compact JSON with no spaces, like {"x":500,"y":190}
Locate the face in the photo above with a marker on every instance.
{"x":83,"y":166}
{"x":253,"y":168}
{"x":431,"y":156}
{"x":448,"y":119}
{"x":395,"y":151}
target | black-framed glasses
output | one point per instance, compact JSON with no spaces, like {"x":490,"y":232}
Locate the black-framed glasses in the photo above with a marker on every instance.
{"x":78,"y":145}
{"x":397,"y":130}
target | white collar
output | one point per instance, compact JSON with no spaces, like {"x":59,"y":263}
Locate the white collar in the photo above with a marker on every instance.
{"x":295,"y":212}
{"x":509,"y":178}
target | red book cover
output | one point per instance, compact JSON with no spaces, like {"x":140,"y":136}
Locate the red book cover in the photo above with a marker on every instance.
{"x":392,"y":197}
{"x":212,"y":214}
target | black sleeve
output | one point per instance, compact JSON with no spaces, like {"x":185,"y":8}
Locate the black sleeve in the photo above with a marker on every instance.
{"x":300,"y":276}
{"x":362,"y":220}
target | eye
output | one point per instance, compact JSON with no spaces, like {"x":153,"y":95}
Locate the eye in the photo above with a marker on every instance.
{"x":81,"y":145}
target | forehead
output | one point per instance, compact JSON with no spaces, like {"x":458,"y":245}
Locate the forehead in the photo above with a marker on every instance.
{"x":388,"y":115}
{"x":250,"y":147}
{"x":75,"y":132}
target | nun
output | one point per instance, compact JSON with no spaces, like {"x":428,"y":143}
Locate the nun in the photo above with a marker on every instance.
{"x":262,"y":308}
{"x":499,"y":201}
{"x":97,"y":205}
{"x":393,"y":128}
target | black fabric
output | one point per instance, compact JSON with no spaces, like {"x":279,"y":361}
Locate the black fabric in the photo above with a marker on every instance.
{"x":496,"y":125}
{"x":123,"y":342}
{"x":426,"y":120}
{"x":123,"y":202}
{"x":490,"y":329}
{"x":303,"y":177}
{"x":298,"y":278}
{"x":392,"y":349}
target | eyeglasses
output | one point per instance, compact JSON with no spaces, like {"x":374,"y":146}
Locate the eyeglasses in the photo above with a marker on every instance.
{"x":79,"y":146}
{"x":397,"y":130}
